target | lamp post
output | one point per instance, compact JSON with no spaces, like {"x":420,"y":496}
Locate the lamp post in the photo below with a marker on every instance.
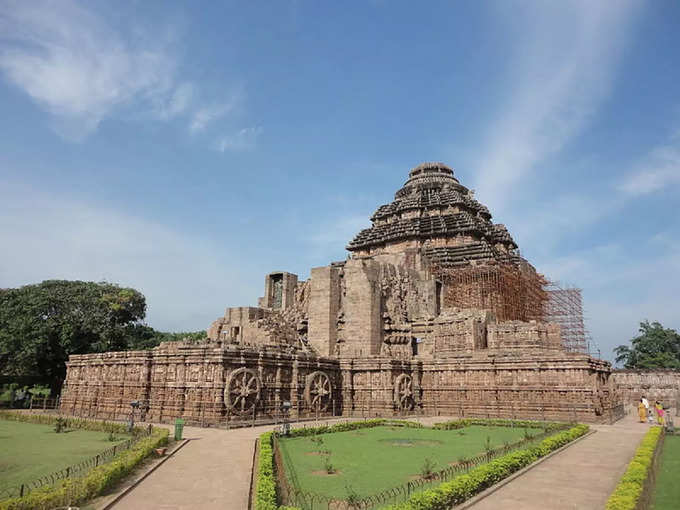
{"x":285,"y":409}
{"x":133,"y":405}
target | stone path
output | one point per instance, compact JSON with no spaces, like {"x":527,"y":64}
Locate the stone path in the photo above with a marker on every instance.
{"x":580,"y":477}
{"x":213,"y":472}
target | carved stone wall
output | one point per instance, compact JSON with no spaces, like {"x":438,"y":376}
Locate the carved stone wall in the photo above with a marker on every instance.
{"x":217,"y":384}
{"x":662,"y":385}
{"x":541,"y":386}
{"x":204,"y":384}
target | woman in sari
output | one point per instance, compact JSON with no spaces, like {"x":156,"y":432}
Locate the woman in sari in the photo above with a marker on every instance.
{"x":659,"y":413}
{"x":642,"y":411}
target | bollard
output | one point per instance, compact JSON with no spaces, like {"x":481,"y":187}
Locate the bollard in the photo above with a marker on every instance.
{"x":179,"y":428}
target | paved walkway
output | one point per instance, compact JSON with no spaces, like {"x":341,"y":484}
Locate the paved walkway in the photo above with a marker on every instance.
{"x":213,"y":472}
{"x":580,"y":477}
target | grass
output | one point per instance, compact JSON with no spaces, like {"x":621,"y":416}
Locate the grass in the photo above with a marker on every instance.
{"x":29,"y":451}
{"x":375,"y":459}
{"x":667,"y":490}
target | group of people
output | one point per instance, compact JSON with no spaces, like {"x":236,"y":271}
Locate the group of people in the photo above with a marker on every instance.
{"x":646,"y":411}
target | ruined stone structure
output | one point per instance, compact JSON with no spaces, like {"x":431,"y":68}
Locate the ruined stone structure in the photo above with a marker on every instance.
{"x":433,"y":312}
{"x":662,"y":385}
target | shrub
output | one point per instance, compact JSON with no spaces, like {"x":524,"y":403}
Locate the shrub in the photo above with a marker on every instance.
{"x":265,"y":490}
{"x":487,"y":444}
{"x":497,"y":422}
{"x":352,"y":499}
{"x":71,"y":422}
{"x":328,"y":465}
{"x":427,"y":469}
{"x":353,"y":425}
{"x":629,"y":489}
{"x":59,"y":425}
{"x":463,"y":487}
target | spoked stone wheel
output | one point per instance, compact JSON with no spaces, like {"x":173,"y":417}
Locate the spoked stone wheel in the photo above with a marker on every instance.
{"x":318,"y":391}
{"x":403,"y":392}
{"x":243,"y":391}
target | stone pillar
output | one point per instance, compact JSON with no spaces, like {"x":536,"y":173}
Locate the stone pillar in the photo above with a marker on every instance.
{"x":277,"y":390}
{"x":362,"y":306}
{"x":294,"y":390}
{"x":279,"y":290}
{"x":324,"y":303}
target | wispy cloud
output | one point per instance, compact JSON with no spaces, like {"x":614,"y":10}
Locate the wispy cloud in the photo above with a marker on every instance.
{"x":562,"y":71}
{"x":659,"y":169}
{"x":621,"y":291}
{"x":207,"y":114}
{"x":76,"y":66}
{"x":244,"y":139}
{"x":170,"y":106}
{"x":70,"y":62}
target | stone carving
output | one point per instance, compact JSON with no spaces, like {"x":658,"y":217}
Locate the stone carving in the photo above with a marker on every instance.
{"x":427,"y":315}
{"x":242,"y":392}
{"x":403,"y":392}
{"x":318,"y":391}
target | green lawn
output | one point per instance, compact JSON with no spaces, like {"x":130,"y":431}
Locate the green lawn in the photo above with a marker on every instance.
{"x":667,"y":490}
{"x":28,"y":451}
{"x":373,"y":459}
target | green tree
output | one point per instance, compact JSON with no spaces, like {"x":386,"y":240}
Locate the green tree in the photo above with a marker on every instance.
{"x":654,"y":347}
{"x":42,"y":324}
{"x":141,"y":337}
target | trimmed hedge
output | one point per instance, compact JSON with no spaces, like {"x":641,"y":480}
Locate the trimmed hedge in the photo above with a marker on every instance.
{"x":74,"y":491}
{"x":70,"y":422}
{"x":442,"y":497}
{"x":497,"y":422}
{"x":463,"y":487}
{"x":628,"y":491}
{"x":265,"y":490}
{"x":353,"y":425}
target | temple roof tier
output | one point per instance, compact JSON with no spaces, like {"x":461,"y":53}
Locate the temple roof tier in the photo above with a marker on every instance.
{"x":433,"y":204}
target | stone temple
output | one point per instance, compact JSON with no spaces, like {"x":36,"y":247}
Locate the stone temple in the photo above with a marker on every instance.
{"x":434,"y":312}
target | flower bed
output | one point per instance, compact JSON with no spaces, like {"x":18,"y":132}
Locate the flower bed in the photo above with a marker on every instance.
{"x":465,"y":486}
{"x":457,"y":490}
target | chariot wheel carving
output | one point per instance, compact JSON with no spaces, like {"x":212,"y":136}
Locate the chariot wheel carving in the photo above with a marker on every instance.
{"x":403,"y":392}
{"x":318,"y":391}
{"x":242,"y":391}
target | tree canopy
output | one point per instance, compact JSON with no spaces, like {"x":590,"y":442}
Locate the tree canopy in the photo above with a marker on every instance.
{"x":42,"y":324}
{"x":654,"y":347}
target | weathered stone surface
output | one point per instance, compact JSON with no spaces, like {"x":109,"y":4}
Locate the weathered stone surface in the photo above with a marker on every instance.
{"x":662,"y":385}
{"x":377,"y":334}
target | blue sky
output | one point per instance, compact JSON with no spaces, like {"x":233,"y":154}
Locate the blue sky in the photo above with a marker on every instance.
{"x":189,"y":151}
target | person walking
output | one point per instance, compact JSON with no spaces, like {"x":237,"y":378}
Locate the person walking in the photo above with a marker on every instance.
{"x":659,"y":413}
{"x":642,"y":411}
{"x":650,"y":418}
